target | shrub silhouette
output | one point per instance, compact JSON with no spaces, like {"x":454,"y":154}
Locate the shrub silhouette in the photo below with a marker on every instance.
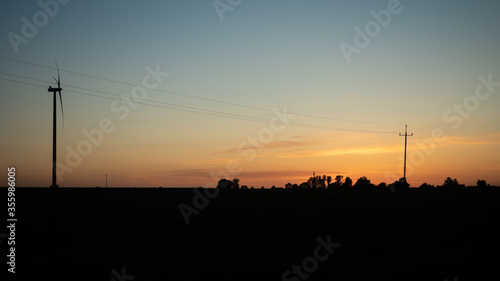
{"x":481,"y":184}
{"x":426,"y":186}
{"x":363,"y":183}
{"x":400,"y":186}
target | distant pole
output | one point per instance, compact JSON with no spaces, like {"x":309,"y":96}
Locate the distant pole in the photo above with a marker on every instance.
{"x":406,"y":136}
{"x":106,"y":180}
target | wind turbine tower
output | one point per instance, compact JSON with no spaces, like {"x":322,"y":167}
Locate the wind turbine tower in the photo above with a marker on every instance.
{"x":54,"y":126}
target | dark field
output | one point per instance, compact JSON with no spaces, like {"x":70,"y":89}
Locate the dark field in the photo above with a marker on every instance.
{"x":83,"y":234}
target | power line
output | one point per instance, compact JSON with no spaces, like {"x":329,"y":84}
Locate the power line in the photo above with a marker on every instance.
{"x":453,"y":149}
{"x":194,"y":109}
{"x":239,"y":116}
{"x":20,"y":82}
{"x":200,"y":98}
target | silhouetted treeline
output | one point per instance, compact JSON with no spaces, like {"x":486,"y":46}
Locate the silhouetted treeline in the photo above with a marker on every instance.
{"x":452,"y":184}
{"x":324,"y":182}
{"x":339,"y":183}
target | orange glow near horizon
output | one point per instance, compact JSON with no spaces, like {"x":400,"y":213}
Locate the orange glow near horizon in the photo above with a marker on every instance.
{"x":291,"y":161}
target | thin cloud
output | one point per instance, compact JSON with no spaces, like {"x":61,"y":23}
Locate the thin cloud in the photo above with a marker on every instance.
{"x":467,"y":140}
{"x":306,"y":141}
{"x":210,"y":162}
{"x":463,"y":140}
{"x":342,"y":151}
{"x":279,"y":145}
{"x":141,"y":121}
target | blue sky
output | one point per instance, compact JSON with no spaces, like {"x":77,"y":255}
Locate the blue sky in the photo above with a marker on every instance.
{"x":265,"y":54}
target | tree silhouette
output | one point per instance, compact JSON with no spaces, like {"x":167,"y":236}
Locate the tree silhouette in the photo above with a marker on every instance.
{"x":450,"y":183}
{"x":224,"y":184}
{"x":363,"y":183}
{"x":310,"y":183}
{"x":382,"y":186}
{"x":339,"y":180}
{"x":328,"y":180}
{"x":399,"y":186}
{"x":347,"y":183}
{"x":337,"y":183}
{"x":481,"y":184}
{"x":322,"y":182}
{"x":235,"y":184}
{"x":426,"y":186}
{"x":317,"y":182}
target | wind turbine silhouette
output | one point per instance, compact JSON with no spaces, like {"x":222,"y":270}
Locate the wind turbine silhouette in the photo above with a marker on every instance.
{"x":54,"y":128}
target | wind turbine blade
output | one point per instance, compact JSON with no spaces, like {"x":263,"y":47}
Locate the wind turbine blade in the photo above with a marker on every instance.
{"x":62,"y":108}
{"x":58,"y":77}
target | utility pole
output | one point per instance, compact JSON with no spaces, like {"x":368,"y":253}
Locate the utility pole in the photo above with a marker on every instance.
{"x":406,"y":136}
{"x":106,"y":180}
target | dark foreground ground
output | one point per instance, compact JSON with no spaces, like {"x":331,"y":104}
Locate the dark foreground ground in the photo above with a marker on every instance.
{"x":86,"y":234}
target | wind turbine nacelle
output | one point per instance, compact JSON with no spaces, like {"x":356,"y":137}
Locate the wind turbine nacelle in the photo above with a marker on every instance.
{"x":54,"y":90}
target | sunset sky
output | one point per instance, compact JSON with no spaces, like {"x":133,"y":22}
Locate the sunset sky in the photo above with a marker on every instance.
{"x":260,"y":90}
